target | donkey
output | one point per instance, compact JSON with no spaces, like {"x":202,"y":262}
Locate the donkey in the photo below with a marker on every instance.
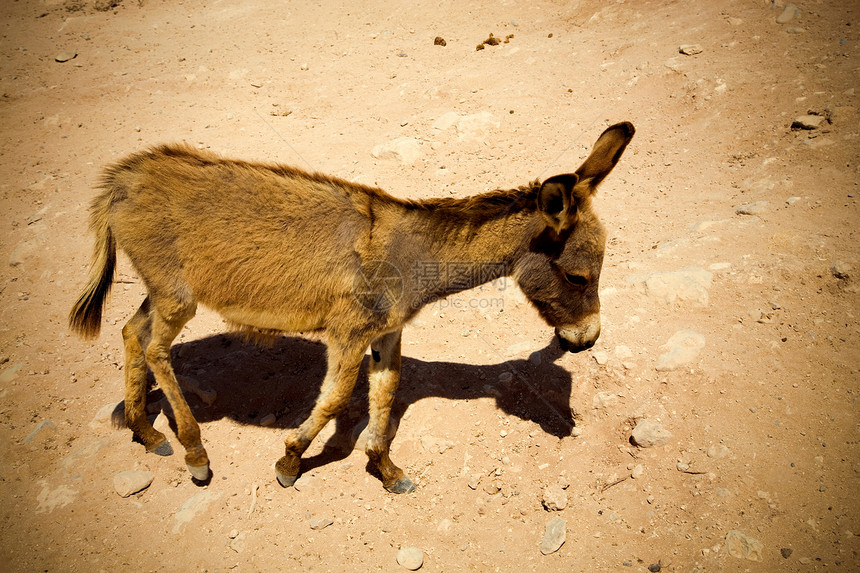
{"x":276,"y":249}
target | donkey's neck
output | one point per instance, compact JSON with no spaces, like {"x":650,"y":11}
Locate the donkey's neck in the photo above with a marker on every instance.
{"x":458,"y":244}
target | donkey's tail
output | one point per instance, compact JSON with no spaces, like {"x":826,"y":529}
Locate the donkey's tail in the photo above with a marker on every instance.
{"x":86,"y":316}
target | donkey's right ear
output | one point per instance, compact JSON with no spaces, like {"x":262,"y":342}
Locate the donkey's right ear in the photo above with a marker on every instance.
{"x":555,"y":201}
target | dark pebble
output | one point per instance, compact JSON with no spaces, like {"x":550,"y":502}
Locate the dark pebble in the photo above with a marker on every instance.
{"x":786,"y":552}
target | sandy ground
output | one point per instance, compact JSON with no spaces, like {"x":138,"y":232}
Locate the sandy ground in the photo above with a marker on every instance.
{"x":725,"y":225}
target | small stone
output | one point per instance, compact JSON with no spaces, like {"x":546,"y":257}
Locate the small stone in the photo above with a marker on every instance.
{"x":554,"y":498}
{"x":132,"y":481}
{"x":307,"y":482}
{"x":505,"y":377}
{"x":405,"y":150}
{"x":690,"y":49}
{"x":237,"y":542}
{"x":439,"y":41}
{"x":788,"y":14}
{"x":756,"y":208}
{"x":786,"y":552}
{"x":718,"y":451}
{"x":65,"y":56}
{"x":411,"y":558}
{"x":604,"y":400}
{"x":637,"y":472}
{"x":682,"y":348}
{"x":321,"y":523}
{"x":601,"y":357}
{"x":655,"y":567}
{"x":841,"y":270}
{"x":304,"y":67}
{"x":268,"y":420}
{"x":743,"y":546}
{"x":808,"y":122}
{"x":474,"y":481}
{"x":554,"y":535}
{"x":649,"y":434}
{"x":535,"y":358}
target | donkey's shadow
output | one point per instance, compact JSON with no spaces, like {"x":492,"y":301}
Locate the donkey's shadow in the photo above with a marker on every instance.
{"x":278,"y":385}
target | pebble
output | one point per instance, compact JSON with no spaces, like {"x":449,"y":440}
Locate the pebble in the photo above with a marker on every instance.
{"x":554,"y":535}
{"x":554,"y":498}
{"x":405,"y":150}
{"x":786,"y":552}
{"x":649,"y":434}
{"x":841,"y":270}
{"x":307,"y":482}
{"x":689,"y":284}
{"x":268,"y":420}
{"x":743,"y":546}
{"x":690,"y":49}
{"x":756,"y":208}
{"x":788,"y":14}
{"x":535,"y":358}
{"x":65,"y":56}
{"x":808,"y":122}
{"x":637,"y":472}
{"x":237,"y":542}
{"x":603,"y":400}
{"x":439,"y":41}
{"x":411,"y":558}
{"x":601,"y":357}
{"x":321,"y":523}
{"x":681,"y":349}
{"x":132,"y":481}
{"x":718,"y":451}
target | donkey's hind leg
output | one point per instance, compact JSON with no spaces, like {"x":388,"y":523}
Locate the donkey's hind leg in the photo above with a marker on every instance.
{"x":136,"y":335}
{"x":168,"y":318}
{"x":384,"y":376}
{"x":344,"y":362}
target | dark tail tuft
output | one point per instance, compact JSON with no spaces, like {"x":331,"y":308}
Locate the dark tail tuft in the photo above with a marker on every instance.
{"x":86,"y":315}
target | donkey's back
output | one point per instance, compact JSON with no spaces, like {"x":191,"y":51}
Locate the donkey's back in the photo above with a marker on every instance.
{"x":242,"y":238}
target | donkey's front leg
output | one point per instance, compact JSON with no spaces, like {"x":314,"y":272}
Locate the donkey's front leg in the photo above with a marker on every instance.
{"x":344,"y":362}
{"x":384,"y":377}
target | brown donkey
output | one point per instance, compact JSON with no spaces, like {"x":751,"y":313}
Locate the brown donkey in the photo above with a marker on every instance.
{"x":277,"y":249}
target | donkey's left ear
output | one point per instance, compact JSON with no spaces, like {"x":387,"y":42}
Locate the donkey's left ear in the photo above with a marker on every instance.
{"x":606,"y":153}
{"x":555,"y":201}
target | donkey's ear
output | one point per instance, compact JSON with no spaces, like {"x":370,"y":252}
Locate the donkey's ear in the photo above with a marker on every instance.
{"x":555,"y":201}
{"x":606,"y":153}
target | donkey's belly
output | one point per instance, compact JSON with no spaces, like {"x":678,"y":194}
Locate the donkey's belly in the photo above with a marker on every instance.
{"x":287,"y":322}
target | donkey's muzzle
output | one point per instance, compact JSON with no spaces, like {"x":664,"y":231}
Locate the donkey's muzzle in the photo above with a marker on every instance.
{"x":581,"y":336}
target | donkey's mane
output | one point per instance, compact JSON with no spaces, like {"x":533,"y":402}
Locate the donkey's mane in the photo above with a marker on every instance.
{"x":483,"y":206}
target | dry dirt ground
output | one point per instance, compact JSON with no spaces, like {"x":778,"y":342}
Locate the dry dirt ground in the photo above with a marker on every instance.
{"x":725,"y":225}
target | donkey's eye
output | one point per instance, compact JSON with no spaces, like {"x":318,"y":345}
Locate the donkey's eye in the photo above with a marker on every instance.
{"x":576,"y":280}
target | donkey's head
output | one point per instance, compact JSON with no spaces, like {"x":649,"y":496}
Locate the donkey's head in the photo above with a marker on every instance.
{"x":560,"y":272}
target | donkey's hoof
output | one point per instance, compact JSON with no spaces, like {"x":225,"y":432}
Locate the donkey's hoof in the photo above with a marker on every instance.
{"x":403,"y":485}
{"x":201,"y":473}
{"x":163,"y":449}
{"x":285,"y":480}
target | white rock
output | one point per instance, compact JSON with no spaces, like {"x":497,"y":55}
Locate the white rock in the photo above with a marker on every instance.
{"x":743,"y":546}
{"x":788,"y":14}
{"x":689,"y":284}
{"x":554,"y":498}
{"x":690,"y":49}
{"x":682,"y":348}
{"x":649,"y":434}
{"x":554,"y":535}
{"x":718,"y":451}
{"x":132,"y":481}
{"x":406,"y":150}
{"x":321,"y":523}
{"x":411,"y":558}
{"x":604,"y":400}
